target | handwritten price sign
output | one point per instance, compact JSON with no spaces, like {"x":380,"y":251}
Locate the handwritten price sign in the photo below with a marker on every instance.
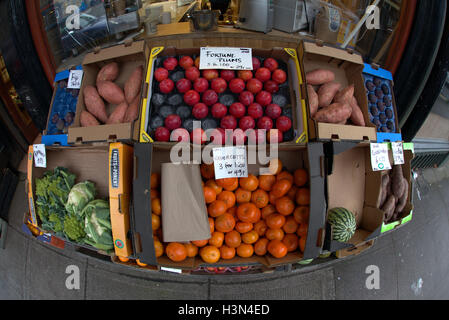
{"x":398,"y":153}
{"x":226,"y":58}
{"x":379,"y":157}
{"x":230,"y":162}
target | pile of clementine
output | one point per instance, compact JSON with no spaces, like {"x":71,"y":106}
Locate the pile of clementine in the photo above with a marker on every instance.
{"x":251,"y":216}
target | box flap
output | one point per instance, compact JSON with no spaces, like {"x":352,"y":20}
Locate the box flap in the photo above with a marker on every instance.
{"x":114,"y":52}
{"x":332,"y":52}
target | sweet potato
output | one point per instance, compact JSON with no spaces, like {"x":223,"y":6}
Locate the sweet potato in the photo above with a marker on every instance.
{"x":335,"y":113}
{"x":384,"y":191}
{"x":402,"y":200}
{"x":388,"y":207}
{"x":108,"y":73}
{"x":132,"y":113}
{"x":345,"y":95}
{"x":319,"y":76}
{"x":356,"y":115}
{"x":133,"y":84}
{"x":118,"y":115}
{"x":88,"y":120}
{"x":111,"y":92}
{"x":397,"y":181}
{"x":327,"y":92}
{"x":94,"y":104}
{"x":313,"y":100}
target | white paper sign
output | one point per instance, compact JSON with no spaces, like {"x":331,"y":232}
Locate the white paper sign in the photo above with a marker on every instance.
{"x":226,"y":58}
{"x":75,"y":78}
{"x":379,"y":157}
{"x":40,"y":158}
{"x":171,"y":270}
{"x":398,"y":153}
{"x":230,"y":162}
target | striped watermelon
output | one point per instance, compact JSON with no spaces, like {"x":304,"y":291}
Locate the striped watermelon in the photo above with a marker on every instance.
{"x":343,"y":224}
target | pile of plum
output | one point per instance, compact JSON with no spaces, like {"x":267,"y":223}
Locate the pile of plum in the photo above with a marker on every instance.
{"x":380,"y":104}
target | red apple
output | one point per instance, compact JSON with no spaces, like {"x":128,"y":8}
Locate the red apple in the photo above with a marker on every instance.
{"x":279,"y":76}
{"x":245,"y":75}
{"x":257,"y":136}
{"x":247,"y":122}
{"x":274,"y":136}
{"x":271,"y":86}
{"x":218,"y":110}
{"x":160,"y":74}
{"x":228,"y":122}
{"x":162,"y":134}
{"x":238,"y":137}
{"x":263,"y":98}
{"x":209,"y":97}
{"x":200,"y":111}
{"x":273,"y":111}
{"x":256,"y":63}
{"x":180,"y":135}
{"x":219,"y":85}
{"x":173,"y":122}
{"x":200,"y":85}
{"x":170,"y":63}
{"x":246,"y":98}
{"x":210,"y":74}
{"x":218,"y":136}
{"x":198,"y":136}
{"x":237,"y":85}
{"x":270,"y":64}
{"x":265,"y":123}
{"x":183,"y":85}
{"x":283,"y":123}
{"x":166,"y":85}
{"x":191,"y":97}
{"x":192,"y":73}
{"x":237,"y":109}
{"x":186,"y":62}
{"x":254,"y":85}
{"x":263,"y":74}
{"x":228,"y":75}
{"x":255,"y":110}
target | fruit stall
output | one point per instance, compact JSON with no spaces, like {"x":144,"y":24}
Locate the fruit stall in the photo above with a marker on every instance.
{"x":176,"y":155}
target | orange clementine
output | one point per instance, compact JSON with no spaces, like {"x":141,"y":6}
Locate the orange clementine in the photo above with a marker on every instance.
{"x":192,"y":250}
{"x":217,"y":239}
{"x":292,"y":192}
{"x":155,"y":221}
{"x":300,"y":177}
{"x":250,"y":183}
{"x":154,"y":194}
{"x":303,"y":197}
{"x":301,"y":214}
{"x":260,"y":198}
{"x":209,"y":194}
{"x":291,"y":242}
{"x":260,"y":247}
{"x":250,"y":237}
{"x":207,"y":171}
{"x":211,"y":225}
{"x":155,"y":180}
{"x":156,"y":206}
{"x":217,"y":208}
{"x":242,"y":195}
{"x":260,"y":227}
{"x":227,"y":252}
{"x":281,"y":188}
{"x":176,"y":252}
{"x":233,"y":239}
{"x":248,"y":212}
{"x":210,"y":254}
{"x":245,"y":250}
{"x":141,"y":263}
{"x":243,"y":227}
{"x":233,"y":186}
{"x":226,"y":182}
{"x":200,"y":243}
{"x":284,"y":175}
{"x":302,"y":230}
{"x":158,"y":248}
{"x":302,"y":243}
{"x":266,"y":182}
{"x":275,"y":221}
{"x":277,"y":248}
{"x":212,"y":184}
{"x":285,"y":206}
{"x":290,"y":225}
{"x":269,"y":209}
{"x":273,"y":234}
{"x":225,"y":223}
{"x":228,"y":197}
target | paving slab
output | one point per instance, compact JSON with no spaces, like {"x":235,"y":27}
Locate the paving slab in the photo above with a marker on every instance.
{"x":318,"y":285}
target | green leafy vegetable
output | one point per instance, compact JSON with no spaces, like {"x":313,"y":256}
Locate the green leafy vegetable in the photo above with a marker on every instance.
{"x":80,"y":195}
{"x":97,"y":224}
{"x":74,"y":228}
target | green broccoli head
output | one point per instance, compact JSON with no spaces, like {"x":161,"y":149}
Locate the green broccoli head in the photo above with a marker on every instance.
{"x":56,"y":222}
{"x":74,"y":228}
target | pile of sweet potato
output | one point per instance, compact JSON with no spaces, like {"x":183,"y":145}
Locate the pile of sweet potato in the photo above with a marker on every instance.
{"x":126,"y":100}
{"x":394,"y":194}
{"x":329,"y":103}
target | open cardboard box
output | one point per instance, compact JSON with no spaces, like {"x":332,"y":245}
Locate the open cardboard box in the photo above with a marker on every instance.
{"x":87,"y":163}
{"x":148,"y":159}
{"x":128,"y":56}
{"x":352,"y":184}
{"x":287,"y":55}
{"x":348,"y":69}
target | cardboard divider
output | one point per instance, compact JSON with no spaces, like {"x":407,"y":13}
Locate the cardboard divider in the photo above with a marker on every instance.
{"x":148,"y":159}
{"x":128,"y":56}
{"x":348,"y":69}
{"x":352,"y":184}
{"x":287,"y":55}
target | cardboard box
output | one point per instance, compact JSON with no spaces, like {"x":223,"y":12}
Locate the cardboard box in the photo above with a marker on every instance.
{"x":148,"y":159}
{"x":371,"y":72}
{"x":86,"y":162}
{"x":63,"y":102}
{"x":287,"y":55}
{"x":128,"y":56}
{"x":352,"y":184}
{"x":348,"y":69}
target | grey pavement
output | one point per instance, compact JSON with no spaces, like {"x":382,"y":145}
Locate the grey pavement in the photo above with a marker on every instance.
{"x":413,"y":262}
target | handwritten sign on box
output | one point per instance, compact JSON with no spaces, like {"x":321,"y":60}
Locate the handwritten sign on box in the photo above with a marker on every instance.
{"x":230,"y":162}
{"x":379,"y":157}
{"x":226,"y":58}
{"x":398,"y":153}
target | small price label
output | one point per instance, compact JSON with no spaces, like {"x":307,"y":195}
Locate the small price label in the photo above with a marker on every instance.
{"x":75,"y":78}
{"x":398,"y":153}
{"x":379,"y":157}
{"x":230,"y":162}
{"x":39,"y":155}
{"x":226,"y":58}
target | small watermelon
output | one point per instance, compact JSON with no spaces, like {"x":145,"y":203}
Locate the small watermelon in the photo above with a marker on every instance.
{"x":343,"y":223}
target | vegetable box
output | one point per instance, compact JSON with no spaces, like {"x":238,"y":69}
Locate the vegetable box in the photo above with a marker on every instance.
{"x":128,"y":56}
{"x":84,"y":163}
{"x":150,"y":158}
{"x":62,"y":110}
{"x":348,"y":68}
{"x":288,"y":97}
